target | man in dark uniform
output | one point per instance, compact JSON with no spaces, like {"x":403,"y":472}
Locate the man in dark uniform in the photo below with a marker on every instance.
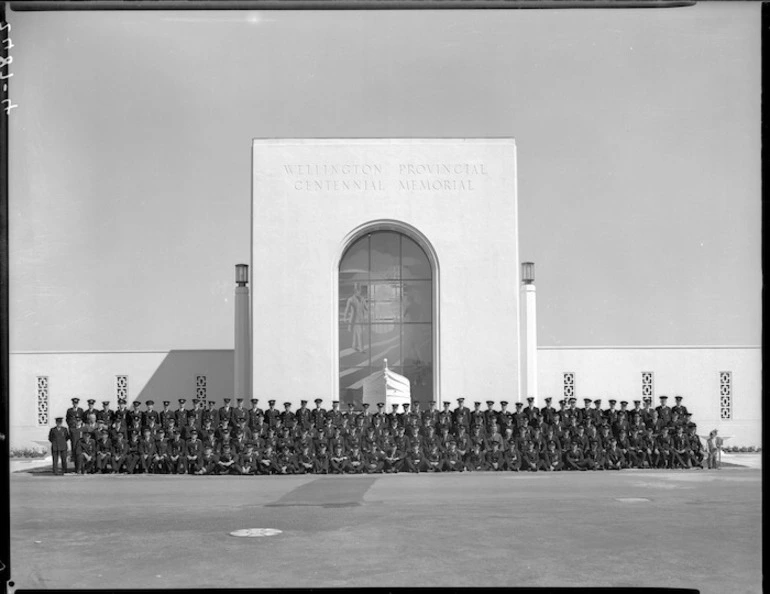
{"x":74,"y":412}
{"x":635,"y":412}
{"x":365,"y":418}
{"x":180,"y":415}
{"x":58,"y":437}
{"x":530,"y":458}
{"x":490,"y":415}
{"x":239,"y":413}
{"x":207,"y":463}
{"x":531,"y":412}
{"x":146,"y":451}
{"x":394,"y":415}
{"x":90,"y":410}
{"x":75,"y":436}
{"x":105,"y":414}
{"x":611,"y":414}
{"x":551,"y":458}
{"x":321,"y":459}
{"x":318,"y":414}
{"x":87,"y":454}
{"x":597,"y":414}
{"x":253,"y":413}
{"x":194,"y":451}
{"x":247,"y":461}
{"x":166,"y":414}
{"x":177,"y":451}
{"x":504,"y":417}
{"x":664,"y":410}
{"x":134,"y":414}
{"x":288,"y":418}
{"x":548,"y":411}
{"x":582,"y":414}
{"x":121,"y":414}
{"x":271,"y":414}
{"x":195,"y":416}
{"x":303,"y":416}
{"x":430,"y":416}
{"x":445,"y":417}
{"x":225,"y":412}
{"x":104,"y":452}
{"x":475,"y":459}
{"x":210,"y":413}
{"x":335,"y":415}
{"x":477,"y":417}
{"x":150,"y":413}
{"x":518,"y":417}
{"x":461,"y":415}
{"x":679,"y":407}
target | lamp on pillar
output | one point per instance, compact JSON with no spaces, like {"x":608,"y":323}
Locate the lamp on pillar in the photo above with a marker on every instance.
{"x":242,"y":383}
{"x":529,"y":331}
{"x":528,"y":272}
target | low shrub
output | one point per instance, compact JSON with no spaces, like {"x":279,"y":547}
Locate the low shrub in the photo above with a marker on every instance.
{"x":28,"y":453}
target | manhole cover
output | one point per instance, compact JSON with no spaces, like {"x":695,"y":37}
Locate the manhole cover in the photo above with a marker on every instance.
{"x":631,"y":499}
{"x":255,"y":532}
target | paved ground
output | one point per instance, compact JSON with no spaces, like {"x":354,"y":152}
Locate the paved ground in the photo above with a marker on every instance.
{"x":690,"y":529}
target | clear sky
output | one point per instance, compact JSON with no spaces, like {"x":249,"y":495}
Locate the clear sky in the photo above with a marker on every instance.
{"x":638,"y":135}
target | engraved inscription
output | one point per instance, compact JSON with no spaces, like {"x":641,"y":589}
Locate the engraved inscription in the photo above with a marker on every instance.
{"x":376,"y":177}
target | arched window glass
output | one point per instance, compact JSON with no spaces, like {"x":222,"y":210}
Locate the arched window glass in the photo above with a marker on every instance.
{"x":385,"y":312}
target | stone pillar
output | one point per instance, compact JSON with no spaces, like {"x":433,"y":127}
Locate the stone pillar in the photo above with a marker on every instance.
{"x":242,"y":382}
{"x":529,"y":333}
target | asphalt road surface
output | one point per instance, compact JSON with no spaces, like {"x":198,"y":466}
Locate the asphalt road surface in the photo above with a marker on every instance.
{"x":684,"y":529}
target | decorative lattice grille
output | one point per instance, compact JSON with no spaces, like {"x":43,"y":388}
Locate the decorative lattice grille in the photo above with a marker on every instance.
{"x":569,"y":384}
{"x":200,"y":387}
{"x":121,"y":387}
{"x":726,"y":394}
{"x":648,"y":385}
{"x":42,"y":400}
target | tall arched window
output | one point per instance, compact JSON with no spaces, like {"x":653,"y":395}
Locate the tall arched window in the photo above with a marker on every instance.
{"x":385,"y":312}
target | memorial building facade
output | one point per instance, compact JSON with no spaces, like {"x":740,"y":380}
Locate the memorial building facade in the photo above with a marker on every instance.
{"x":367,"y":250}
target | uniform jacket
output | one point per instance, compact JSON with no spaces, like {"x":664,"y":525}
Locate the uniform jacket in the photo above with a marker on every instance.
{"x":58,"y":436}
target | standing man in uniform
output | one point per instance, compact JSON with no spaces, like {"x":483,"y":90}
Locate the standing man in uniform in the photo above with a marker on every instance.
{"x":225,"y":412}
{"x":271,"y":414}
{"x":239,"y":413}
{"x":462,"y":416}
{"x":105,"y":414}
{"x":58,"y":437}
{"x":73,"y":413}
{"x":318,"y":414}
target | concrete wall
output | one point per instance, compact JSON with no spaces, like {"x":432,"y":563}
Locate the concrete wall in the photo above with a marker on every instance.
{"x":599,"y":373}
{"x":691,"y":372}
{"x":152,"y":375}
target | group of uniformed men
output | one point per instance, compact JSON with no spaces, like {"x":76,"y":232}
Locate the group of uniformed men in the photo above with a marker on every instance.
{"x":236,"y":440}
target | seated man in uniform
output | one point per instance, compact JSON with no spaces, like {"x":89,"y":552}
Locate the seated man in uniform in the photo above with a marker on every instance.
{"x":551,"y":459}
{"x":453,"y":461}
{"x":512,"y":457}
{"x":87,"y":454}
{"x":530,"y":458}
{"x":321,"y":459}
{"x":339,"y":463}
{"x":134,"y":455}
{"x":494,"y":457}
{"x":304,"y":460}
{"x":177,"y":453}
{"x":355,"y":460}
{"x":373,"y":463}
{"x":614,"y":459}
{"x":207,"y":463}
{"x":103,"y":453}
